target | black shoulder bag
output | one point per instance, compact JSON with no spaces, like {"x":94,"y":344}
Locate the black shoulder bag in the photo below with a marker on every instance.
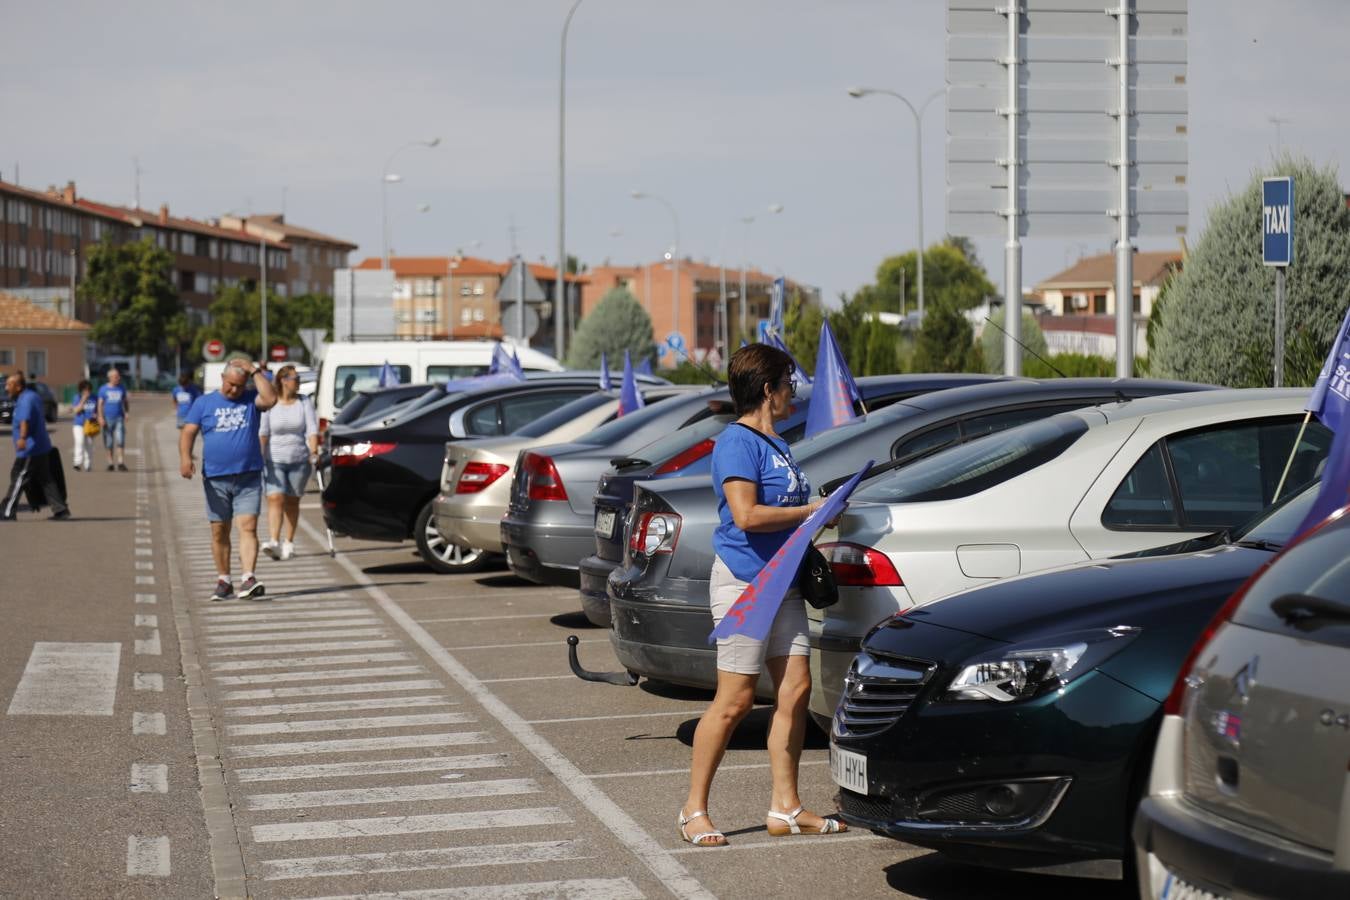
{"x":815,"y":579}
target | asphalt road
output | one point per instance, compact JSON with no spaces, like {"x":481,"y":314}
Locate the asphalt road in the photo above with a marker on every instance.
{"x":371,"y":729}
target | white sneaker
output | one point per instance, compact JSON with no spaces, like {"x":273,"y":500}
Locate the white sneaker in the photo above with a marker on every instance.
{"x":287,"y":549}
{"x":270,"y":548}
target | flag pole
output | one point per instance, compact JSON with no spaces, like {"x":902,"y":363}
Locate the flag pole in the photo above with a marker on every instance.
{"x":1293,"y":451}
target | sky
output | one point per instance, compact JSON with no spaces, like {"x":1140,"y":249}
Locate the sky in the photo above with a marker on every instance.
{"x":721,"y":108}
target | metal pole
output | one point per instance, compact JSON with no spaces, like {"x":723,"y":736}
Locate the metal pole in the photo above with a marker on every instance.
{"x":1279,"y":326}
{"x":1124,"y":250}
{"x":262,"y":250}
{"x":918,"y":170}
{"x":450,"y":298}
{"x":560,"y":294}
{"x":351,"y":305}
{"x":520,"y":299}
{"x":384,"y":219}
{"x":1012,"y":257}
{"x":722,"y":288}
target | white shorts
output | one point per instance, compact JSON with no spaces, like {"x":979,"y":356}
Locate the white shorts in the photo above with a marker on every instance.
{"x":744,"y":655}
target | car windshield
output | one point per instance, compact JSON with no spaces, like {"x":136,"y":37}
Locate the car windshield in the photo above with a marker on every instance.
{"x":565,"y":414}
{"x":663,"y":448}
{"x":979,"y":465}
{"x":1276,"y":526}
{"x":622,"y":427}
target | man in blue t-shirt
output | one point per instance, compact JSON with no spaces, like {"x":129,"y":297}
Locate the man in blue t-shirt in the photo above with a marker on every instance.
{"x":232,"y":466}
{"x":112,"y":418}
{"x":32,"y":452}
{"x":183,"y":396}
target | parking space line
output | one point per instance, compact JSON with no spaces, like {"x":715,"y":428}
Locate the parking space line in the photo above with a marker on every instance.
{"x":524,"y":644}
{"x":403,"y":793}
{"x":318,"y":675}
{"x":573,"y":889}
{"x":526,"y":678}
{"x":649,"y":715}
{"x":415,"y":860}
{"x":372,"y":687}
{"x":357,"y":724}
{"x":685,"y":771}
{"x":286,"y":709}
{"x":374,"y":767}
{"x":357,"y":745}
{"x":489,"y":618}
{"x":778,"y":844}
{"x":346,"y":828}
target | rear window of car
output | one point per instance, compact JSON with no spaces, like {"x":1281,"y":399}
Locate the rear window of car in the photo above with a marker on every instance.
{"x":663,"y":448}
{"x":1306,"y":593}
{"x":564,"y":414}
{"x":350,"y":379}
{"x":979,"y":465}
{"x":622,"y":427}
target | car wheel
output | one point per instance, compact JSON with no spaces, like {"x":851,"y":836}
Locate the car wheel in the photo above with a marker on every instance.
{"x":440,"y":554}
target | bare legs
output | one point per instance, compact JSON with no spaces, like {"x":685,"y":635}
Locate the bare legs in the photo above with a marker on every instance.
{"x":734,"y":698}
{"x":279,"y":507}
{"x":220,"y":546}
{"x":248,"y":542}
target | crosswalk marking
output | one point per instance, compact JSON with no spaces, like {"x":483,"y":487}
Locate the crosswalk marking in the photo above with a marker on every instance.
{"x":318,"y":675}
{"x":268,"y":636}
{"x":149,"y":645}
{"x":414,"y":860}
{"x":356,"y":745}
{"x":149,"y":778}
{"x":373,"y":687}
{"x":286,"y":709}
{"x":314,"y":625}
{"x":405,"y":793}
{"x":230,"y":612}
{"x":68,"y":679}
{"x":373,"y":767}
{"x":346,"y":828}
{"x":297,"y":662}
{"x":144,"y":621}
{"x":307,"y":647}
{"x":279,"y":616}
{"x":149,"y":599}
{"x":147,"y":681}
{"x":148,"y":723}
{"x":148,"y":856}
{"x":354,"y":724}
{"x":573,"y":889}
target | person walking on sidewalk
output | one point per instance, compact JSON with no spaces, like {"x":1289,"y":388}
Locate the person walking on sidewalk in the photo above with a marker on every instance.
{"x":290,"y":445}
{"x":86,"y":416}
{"x":183,"y":396}
{"x":32,"y":452}
{"x":232,"y":465}
{"x":112,"y":418}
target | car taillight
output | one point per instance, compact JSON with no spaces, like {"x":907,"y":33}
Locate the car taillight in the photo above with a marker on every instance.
{"x":355,"y":454}
{"x":654,"y":533}
{"x":478,"y":475}
{"x":685,"y":457}
{"x":323,"y":425}
{"x":545,"y":482}
{"x":857,"y":566}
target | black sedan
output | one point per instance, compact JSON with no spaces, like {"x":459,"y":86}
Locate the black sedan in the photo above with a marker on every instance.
{"x":50,"y":409}
{"x":1012,"y":725}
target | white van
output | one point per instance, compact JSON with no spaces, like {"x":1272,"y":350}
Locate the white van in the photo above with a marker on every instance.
{"x":212,"y":372}
{"x":351,"y":367}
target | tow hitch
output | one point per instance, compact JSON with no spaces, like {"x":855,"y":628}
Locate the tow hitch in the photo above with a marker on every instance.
{"x":624,"y":678}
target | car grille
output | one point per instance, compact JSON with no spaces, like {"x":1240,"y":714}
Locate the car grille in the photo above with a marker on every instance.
{"x":860,"y":806}
{"x":877,"y":692}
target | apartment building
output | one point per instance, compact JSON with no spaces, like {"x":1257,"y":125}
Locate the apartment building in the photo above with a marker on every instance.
{"x":314,"y":256}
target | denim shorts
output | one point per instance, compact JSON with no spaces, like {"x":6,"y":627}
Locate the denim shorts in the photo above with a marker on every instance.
{"x":287,"y":478}
{"x":744,"y":655}
{"x":228,"y":496}
{"x":115,"y":432}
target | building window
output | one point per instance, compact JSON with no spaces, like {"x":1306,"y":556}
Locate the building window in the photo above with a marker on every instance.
{"x":1138,"y":304}
{"x":6,"y":356}
{"x":478,"y":288}
{"x":37,"y":363}
{"x":214,"y":249}
{"x":1099,"y":304}
{"x":188,"y":244}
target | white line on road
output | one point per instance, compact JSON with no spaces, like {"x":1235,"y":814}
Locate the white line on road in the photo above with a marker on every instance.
{"x":148,"y":856}
{"x":149,"y":778}
{"x":286,"y":709}
{"x":143,"y":539}
{"x":148,"y":646}
{"x":414,"y":860}
{"x":149,"y":599}
{"x":573,"y":889}
{"x":302,"y":661}
{"x":259,"y":637}
{"x":526,"y":644}
{"x":248,"y":611}
{"x":144,"y":551}
{"x":68,"y":679}
{"x":148,"y":723}
{"x":283,"y":614}
{"x":372,"y":687}
{"x":778,"y":844}
{"x":354,"y":724}
{"x":147,"y":681}
{"x":375,"y":767}
{"x":404,"y":793}
{"x":350,"y":828}
{"x":320,"y":675}
{"x":235,"y":627}
{"x":145,"y":566}
{"x":145,"y":579}
{"x":489,"y":618}
{"x":144,"y":621}
{"x":649,"y":715}
{"x":527,"y":678}
{"x":360,"y":745}
{"x":685,"y":771}
{"x":306,"y":648}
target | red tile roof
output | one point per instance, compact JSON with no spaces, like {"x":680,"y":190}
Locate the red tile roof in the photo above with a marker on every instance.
{"x":144,"y":218}
{"x":1100,"y":271}
{"x":278,"y":221}
{"x":468,"y":267}
{"x":17,"y":314}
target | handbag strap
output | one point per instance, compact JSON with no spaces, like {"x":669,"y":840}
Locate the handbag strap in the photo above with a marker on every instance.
{"x":761,"y":435}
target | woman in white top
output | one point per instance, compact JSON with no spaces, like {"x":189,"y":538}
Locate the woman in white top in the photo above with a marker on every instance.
{"x":290,"y":445}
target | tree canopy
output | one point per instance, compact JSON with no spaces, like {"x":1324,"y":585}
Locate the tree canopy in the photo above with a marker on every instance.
{"x":617,"y":323}
{"x":1217,"y":322}
{"x":132,"y":288}
{"x":992,"y":341}
{"x":946,"y":343}
{"x":236,"y":319}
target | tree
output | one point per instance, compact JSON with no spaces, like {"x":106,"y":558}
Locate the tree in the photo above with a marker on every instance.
{"x":1217,"y":324}
{"x":617,"y":323}
{"x":952,"y":275}
{"x":802,"y":321}
{"x":132,"y":288}
{"x":881,"y":349}
{"x":992,"y":341}
{"x":946,"y":343}
{"x":236,"y":319}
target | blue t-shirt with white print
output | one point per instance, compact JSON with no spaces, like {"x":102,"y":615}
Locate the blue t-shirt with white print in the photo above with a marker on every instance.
{"x":742,"y":452}
{"x":114,"y":401}
{"x":184,"y":397}
{"x":86,"y":411}
{"x":229,"y":433}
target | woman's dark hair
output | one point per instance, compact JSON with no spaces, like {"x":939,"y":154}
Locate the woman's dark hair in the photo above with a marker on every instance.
{"x":752,"y":367}
{"x":84,"y":385}
{"x":185,"y":379}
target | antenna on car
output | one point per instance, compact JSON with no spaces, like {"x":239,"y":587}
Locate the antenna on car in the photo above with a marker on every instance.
{"x":702,"y":367}
{"x":1053,"y":367}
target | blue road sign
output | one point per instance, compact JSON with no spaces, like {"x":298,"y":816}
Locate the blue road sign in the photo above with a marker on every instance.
{"x":1277,"y":221}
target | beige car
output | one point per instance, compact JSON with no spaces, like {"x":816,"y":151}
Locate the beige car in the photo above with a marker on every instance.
{"x":476,"y":474}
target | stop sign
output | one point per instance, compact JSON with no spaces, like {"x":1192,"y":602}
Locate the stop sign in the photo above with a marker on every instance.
{"x":213,"y":350}
{"x":279,"y":352}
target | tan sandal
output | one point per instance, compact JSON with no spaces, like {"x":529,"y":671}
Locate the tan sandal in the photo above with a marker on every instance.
{"x":828,"y":826}
{"x":703,"y":838}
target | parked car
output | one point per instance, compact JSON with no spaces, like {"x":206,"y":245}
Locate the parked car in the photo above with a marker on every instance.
{"x":1013,"y":724}
{"x":476,"y":474}
{"x":688,"y":451}
{"x":50,"y":408}
{"x":385,"y":472}
{"x":1081,"y":485}
{"x":660,"y":598}
{"x":1249,"y":793}
{"x":370,"y":401}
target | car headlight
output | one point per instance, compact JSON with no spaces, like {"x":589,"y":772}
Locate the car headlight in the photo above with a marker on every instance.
{"x":1026,"y":671}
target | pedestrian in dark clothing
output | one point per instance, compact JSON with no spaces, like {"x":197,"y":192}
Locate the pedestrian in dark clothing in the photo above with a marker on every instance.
{"x":32,"y":452}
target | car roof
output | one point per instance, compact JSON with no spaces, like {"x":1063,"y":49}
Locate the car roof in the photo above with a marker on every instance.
{"x":1183,"y":404}
{"x":1032,"y":388}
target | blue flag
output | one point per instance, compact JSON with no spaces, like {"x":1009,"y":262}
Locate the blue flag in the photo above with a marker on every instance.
{"x":645,"y":367}
{"x":753,"y":612}
{"x":388,"y":375}
{"x":777,"y":303}
{"x":516,"y":369}
{"x":504,"y":363}
{"x":605,"y":383}
{"x":799,"y":373}
{"x":744,"y":343}
{"x":835,"y":391}
{"x":630,"y":399}
{"x":1329,"y":401}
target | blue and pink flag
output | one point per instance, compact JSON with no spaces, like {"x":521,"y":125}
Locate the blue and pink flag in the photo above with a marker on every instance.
{"x":752,"y":613}
{"x":834,"y":391}
{"x":1329,"y":401}
{"x":777,"y":307}
{"x":605,"y":383}
{"x":645,"y":367}
{"x":799,"y":373}
{"x":630,"y":398}
{"x":504,"y":363}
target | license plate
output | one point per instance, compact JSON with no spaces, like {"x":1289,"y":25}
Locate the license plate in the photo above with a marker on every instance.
{"x":1173,"y":888}
{"x":848,"y":769}
{"x":604,"y":523}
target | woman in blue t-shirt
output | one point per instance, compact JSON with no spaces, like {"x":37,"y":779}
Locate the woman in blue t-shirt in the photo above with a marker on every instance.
{"x":86,"y":410}
{"x":762,"y":496}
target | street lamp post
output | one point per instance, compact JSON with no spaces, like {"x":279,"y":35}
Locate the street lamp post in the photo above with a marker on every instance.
{"x":386,"y":179}
{"x":674,"y":256}
{"x":773,"y":208}
{"x":859,"y":92}
{"x":560,"y":294}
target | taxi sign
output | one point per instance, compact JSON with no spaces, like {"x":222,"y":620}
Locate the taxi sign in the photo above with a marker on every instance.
{"x":1277,"y":221}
